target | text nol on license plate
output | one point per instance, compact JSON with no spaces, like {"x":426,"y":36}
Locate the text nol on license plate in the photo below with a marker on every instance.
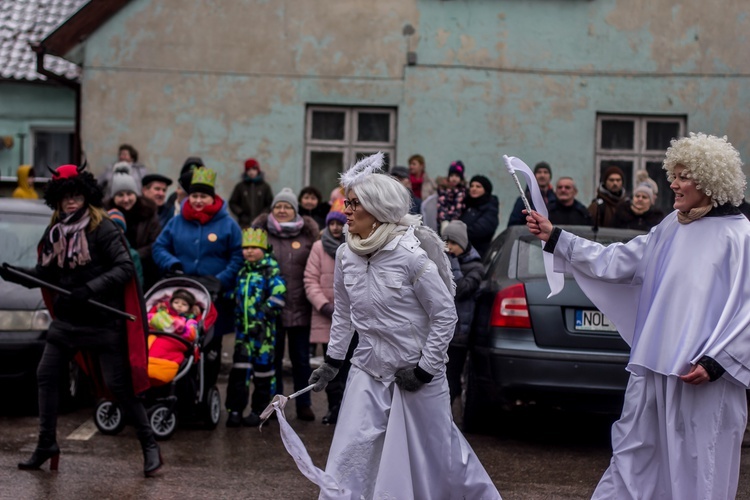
{"x":588,"y":320}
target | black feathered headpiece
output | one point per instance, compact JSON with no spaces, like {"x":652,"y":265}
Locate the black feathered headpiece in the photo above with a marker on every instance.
{"x":71,"y":179}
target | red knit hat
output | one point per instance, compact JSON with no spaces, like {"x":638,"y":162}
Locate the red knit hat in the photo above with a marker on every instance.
{"x":252,"y":163}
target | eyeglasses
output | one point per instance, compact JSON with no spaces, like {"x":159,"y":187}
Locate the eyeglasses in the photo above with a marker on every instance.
{"x":353,"y":204}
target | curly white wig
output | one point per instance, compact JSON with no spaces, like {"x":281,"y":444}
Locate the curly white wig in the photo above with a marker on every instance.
{"x":381,"y":195}
{"x":712,"y":162}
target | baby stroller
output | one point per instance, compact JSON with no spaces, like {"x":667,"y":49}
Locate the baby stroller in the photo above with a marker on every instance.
{"x":187,"y":395}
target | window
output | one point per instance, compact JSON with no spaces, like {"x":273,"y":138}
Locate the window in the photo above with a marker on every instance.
{"x":638,"y":142}
{"x":51,"y":147}
{"x":336,"y":137}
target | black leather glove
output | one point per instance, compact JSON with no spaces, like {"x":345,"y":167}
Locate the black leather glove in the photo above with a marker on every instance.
{"x":327,"y":310}
{"x":80,"y":294}
{"x":322,"y":376}
{"x":712,"y":367}
{"x":411,"y":379}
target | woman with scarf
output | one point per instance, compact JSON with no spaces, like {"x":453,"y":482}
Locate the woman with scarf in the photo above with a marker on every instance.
{"x":291,"y":236}
{"x":680,"y":298}
{"x":204,"y":241}
{"x":638,"y":212}
{"x":481,"y":214}
{"x":395,"y":436}
{"x":83,"y":251}
{"x":319,"y":290}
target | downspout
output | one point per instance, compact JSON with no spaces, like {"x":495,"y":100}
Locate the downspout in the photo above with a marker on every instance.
{"x":71,"y":84}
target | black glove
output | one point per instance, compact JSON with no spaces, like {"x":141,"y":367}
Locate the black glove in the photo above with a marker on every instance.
{"x":176,"y":268}
{"x":212,"y":284}
{"x":411,"y":379}
{"x":322,"y":376}
{"x":712,"y":367}
{"x":9,"y":276}
{"x":327,"y":310}
{"x":80,"y":294}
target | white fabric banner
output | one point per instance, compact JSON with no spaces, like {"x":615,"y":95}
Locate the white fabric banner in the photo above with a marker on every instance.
{"x":556,"y":281}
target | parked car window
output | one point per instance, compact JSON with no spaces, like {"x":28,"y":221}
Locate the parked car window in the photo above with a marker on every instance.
{"x":19,"y":237}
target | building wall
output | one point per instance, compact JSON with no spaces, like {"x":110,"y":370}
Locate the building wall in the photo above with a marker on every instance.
{"x":231,"y":80}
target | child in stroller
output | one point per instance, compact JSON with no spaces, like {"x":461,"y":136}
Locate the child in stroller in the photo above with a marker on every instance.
{"x":175,"y":314}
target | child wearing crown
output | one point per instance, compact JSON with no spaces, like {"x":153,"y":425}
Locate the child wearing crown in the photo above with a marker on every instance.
{"x":259,"y":297}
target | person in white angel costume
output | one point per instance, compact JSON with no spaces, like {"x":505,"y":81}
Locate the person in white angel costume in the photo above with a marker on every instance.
{"x":680,"y":296}
{"x":395,"y":436}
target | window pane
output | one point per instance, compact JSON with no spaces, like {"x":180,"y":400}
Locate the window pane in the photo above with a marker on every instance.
{"x":625,"y":165}
{"x":363,"y":154}
{"x":328,"y":125}
{"x":373,"y":127}
{"x":53,"y":149}
{"x":665,"y":198}
{"x":325,"y":167}
{"x":658,"y":134}
{"x":618,"y":134}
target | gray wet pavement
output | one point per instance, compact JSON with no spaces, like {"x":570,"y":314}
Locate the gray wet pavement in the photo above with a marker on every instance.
{"x":535,"y":455}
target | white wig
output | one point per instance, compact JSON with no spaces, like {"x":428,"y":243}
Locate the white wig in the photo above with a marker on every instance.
{"x":713,"y":164}
{"x":381,"y":195}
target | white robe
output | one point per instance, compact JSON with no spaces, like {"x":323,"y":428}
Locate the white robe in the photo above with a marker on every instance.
{"x":675,"y":295}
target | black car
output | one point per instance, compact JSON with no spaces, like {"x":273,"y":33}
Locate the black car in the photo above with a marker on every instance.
{"x":24,"y":318}
{"x":528,"y":349}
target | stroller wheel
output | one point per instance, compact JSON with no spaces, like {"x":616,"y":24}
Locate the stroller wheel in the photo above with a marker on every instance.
{"x":212,"y":408}
{"x":163,"y":421}
{"x":108,"y":417}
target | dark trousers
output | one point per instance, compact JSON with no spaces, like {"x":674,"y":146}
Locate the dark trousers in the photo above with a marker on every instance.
{"x":116,"y":373}
{"x":454,"y":369}
{"x":299,"y":355}
{"x":335,"y":388}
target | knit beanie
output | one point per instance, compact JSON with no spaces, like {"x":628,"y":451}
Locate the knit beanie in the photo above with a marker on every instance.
{"x":288,"y":196}
{"x":185,"y":295}
{"x":542,"y":165}
{"x":613,"y":169}
{"x":118,"y":218}
{"x":455,"y":231}
{"x":484,"y":181}
{"x":457,"y":168}
{"x":337,"y":212}
{"x":252,"y":163}
{"x":645,"y":188}
{"x":122,"y":180}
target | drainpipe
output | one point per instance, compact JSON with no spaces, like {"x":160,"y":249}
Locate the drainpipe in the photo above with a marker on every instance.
{"x":71,"y":84}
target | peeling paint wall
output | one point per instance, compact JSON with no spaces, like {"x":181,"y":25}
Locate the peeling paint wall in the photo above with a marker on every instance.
{"x":230,"y":80}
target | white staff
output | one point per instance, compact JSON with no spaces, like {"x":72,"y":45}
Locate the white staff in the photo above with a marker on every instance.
{"x":512,"y":172}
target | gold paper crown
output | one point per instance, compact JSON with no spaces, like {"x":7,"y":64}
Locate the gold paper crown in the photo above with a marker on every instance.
{"x":255,"y":238}
{"x":203,"y":175}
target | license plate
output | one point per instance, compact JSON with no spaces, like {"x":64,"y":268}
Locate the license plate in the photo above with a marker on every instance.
{"x":593,"y":321}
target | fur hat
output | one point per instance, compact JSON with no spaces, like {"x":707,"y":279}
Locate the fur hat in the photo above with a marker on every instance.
{"x":645,"y":188}
{"x":542,"y":165}
{"x":71,"y":179}
{"x":457,"y":168}
{"x":252,"y":163}
{"x":185,"y":295}
{"x":336,"y":212}
{"x":118,"y":218}
{"x":455,"y":231}
{"x":288,"y":196}
{"x":122,"y":180}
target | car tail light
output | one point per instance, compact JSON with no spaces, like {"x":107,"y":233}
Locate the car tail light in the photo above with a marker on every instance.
{"x":510,"y":309}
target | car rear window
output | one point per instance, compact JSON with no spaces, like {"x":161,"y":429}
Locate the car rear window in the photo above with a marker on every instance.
{"x":19,"y":237}
{"x":530,"y":263}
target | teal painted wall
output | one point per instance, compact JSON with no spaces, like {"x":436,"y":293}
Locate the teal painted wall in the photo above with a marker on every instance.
{"x":525,"y":78}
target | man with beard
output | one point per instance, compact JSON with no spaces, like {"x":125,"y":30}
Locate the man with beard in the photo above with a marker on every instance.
{"x":608,"y":195}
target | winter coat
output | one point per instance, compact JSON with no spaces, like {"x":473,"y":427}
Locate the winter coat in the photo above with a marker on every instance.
{"x":467,"y":285}
{"x":576,"y":214}
{"x":249,"y":199}
{"x":259,"y":297}
{"x":213,"y":249}
{"x":625,"y":218}
{"x":318,"y":214}
{"x":25,"y":189}
{"x":450,"y":203}
{"x":291,"y":254}
{"x":429,"y":187}
{"x":603,"y":213}
{"x":142,"y":225}
{"x":319,"y":290}
{"x":481,"y":223}
{"x":517,"y":218}
{"x":399,"y":306}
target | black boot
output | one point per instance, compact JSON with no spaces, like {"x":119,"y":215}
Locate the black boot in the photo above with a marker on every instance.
{"x":152,"y":460}
{"x":41,"y":455}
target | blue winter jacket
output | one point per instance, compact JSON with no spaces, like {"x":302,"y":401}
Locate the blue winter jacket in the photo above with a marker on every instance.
{"x":213,"y":249}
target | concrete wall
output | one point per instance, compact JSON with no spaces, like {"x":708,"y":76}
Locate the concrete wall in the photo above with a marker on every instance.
{"x":229,"y":80}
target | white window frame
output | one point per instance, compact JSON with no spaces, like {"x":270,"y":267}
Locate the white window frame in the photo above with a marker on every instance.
{"x":349,"y":146}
